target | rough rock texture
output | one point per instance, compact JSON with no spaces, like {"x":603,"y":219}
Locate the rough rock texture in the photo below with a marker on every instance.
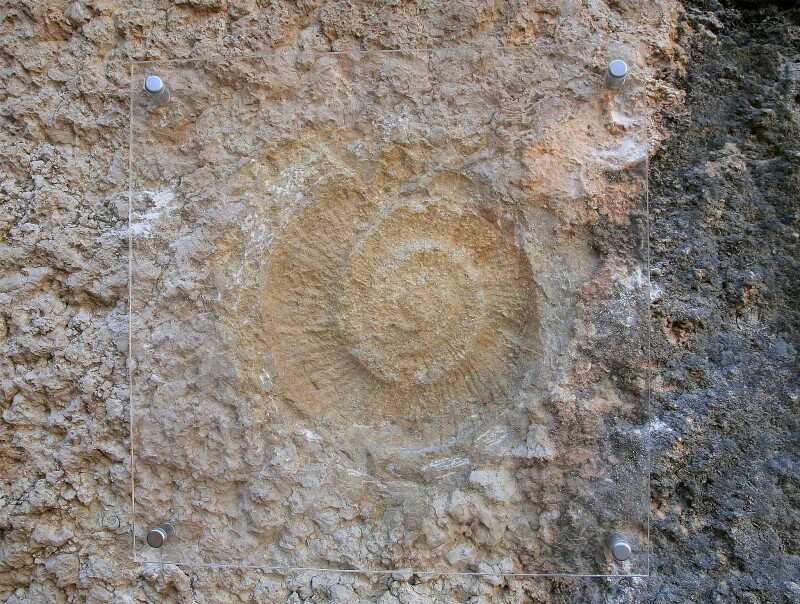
{"x":369,"y":317}
{"x":724,"y":194}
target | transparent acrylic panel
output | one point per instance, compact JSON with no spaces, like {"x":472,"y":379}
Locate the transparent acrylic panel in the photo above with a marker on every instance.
{"x":389,"y":311}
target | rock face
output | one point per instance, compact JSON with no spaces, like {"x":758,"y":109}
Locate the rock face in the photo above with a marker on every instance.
{"x":725,"y":262}
{"x":362,"y":289}
{"x":724,"y":242}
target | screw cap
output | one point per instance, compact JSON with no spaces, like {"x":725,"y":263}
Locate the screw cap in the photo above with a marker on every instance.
{"x":158,"y":535}
{"x":620,"y":548}
{"x":153,"y":84}
{"x":616,"y":74}
{"x":618,"y":68}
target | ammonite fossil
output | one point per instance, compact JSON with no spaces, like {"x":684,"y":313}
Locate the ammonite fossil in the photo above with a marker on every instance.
{"x":410,"y":313}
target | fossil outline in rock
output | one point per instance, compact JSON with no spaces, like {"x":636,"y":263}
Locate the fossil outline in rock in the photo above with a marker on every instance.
{"x":401,"y":313}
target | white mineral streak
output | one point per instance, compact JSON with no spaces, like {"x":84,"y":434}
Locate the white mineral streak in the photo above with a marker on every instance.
{"x":142,"y":223}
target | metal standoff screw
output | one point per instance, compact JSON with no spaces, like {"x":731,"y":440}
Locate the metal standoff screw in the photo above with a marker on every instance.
{"x":157,"y":90}
{"x":620,"y":548}
{"x":616,"y":74}
{"x":158,"y":535}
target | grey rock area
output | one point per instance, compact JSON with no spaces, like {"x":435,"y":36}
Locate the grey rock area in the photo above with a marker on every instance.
{"x":724,"y":85}
{"x":725,"y":193}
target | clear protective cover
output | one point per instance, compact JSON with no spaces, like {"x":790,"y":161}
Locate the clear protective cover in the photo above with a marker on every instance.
{"x":389,"y":311}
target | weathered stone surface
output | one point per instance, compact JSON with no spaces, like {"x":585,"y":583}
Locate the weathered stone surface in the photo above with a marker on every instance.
{"x":725,"y":276}
{"x":725,"y":194}
{"x":360,"y":283}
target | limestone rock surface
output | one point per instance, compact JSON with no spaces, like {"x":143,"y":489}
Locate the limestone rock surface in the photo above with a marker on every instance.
{"x":721,"y":81}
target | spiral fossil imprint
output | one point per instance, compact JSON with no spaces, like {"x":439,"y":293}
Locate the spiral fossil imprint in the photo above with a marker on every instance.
{"x":413,"y":316}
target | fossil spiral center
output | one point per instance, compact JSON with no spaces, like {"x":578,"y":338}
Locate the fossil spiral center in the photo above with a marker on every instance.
{"x":412,"y":318}
{"x":411,"y":312}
